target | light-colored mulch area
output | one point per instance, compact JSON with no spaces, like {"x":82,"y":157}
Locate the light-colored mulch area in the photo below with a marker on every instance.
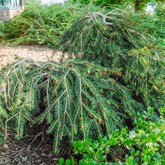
{"x":9,"y":54}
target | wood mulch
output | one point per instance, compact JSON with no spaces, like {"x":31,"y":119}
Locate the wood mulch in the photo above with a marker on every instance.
{"x":9,"y":54}
{"x":27,"y":152}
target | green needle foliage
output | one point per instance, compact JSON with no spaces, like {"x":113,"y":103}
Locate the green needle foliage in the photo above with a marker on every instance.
{"x":76,"y":99}
{"x":115,"y":42}
{"x":152,"y":25}
{"x":105,"y":41}
{"x":38,"y":24}
{"x":42,"y":25}
{"x":18,"y":100}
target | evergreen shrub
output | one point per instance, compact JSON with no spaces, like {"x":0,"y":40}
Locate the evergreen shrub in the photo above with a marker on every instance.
{"x":77,"y":99}
{"x":118,"y":72}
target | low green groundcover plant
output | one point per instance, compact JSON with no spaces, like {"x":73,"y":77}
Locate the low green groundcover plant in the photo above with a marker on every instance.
{"x":145,"y":145}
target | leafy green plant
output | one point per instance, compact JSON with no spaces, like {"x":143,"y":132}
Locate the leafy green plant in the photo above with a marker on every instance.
{"x":142,"y":145}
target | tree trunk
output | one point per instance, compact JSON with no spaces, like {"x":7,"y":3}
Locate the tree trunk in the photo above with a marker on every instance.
{"x":137,"y":5}
{"x":22,"y":4}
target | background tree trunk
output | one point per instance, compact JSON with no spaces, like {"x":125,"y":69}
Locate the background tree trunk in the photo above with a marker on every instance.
{"x":22,"y":4}
{"x":137,"y":5}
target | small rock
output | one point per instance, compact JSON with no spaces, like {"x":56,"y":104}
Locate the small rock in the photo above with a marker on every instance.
{"x":6,"y":146}
{"x":24,"y":159}
{"x":2,"y":153}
